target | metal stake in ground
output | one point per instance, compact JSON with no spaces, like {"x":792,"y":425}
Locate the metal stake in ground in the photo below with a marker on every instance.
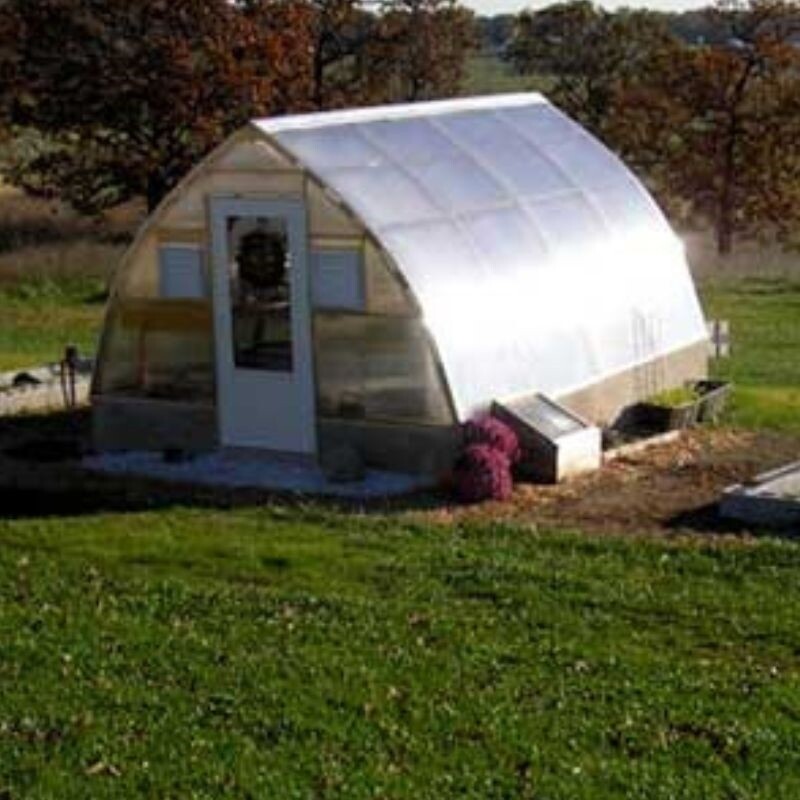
{"x":69,"y":366}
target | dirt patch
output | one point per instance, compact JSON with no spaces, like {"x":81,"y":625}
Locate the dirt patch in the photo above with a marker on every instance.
{"x":668,"y":488}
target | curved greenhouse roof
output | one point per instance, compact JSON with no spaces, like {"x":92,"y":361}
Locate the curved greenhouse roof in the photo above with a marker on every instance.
{"x":537,"y":258}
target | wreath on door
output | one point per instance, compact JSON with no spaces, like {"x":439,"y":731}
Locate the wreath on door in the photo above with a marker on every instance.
{"x":262,"y":260}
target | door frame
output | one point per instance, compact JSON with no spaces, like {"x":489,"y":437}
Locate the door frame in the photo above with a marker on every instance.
{"x":293,"y":210}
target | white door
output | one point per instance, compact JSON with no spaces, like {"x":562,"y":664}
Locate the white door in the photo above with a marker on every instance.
{"x":262,"y":327}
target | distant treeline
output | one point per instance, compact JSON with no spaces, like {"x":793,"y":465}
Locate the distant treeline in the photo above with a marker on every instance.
{"x":705,"y":104}
{"x":692,"y":27}
{"x":104,"y":100}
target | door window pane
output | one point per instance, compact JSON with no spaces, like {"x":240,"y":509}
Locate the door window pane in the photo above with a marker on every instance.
{"x":261,"y":297}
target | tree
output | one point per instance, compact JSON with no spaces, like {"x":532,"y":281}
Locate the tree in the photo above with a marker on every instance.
{"x":130,"y":93}
{"x":420,"y":50}
{"x":9,"y":62}
{"x":495,"y":32}
{"x":123,"y":96}
{"x":585,"y":52}
{"x":718,"y":127}
{"x":403,"y":50}
{"x":340,"y":32}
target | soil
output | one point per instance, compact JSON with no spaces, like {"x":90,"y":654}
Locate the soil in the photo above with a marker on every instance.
{"x":666,"y":489}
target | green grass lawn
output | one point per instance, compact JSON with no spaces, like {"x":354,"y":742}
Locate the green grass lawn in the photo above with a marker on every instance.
{"x":54,"y":268}
{"x":276,"y":653}
{"x":40,"y":318}
{"x":765,"y":360}
{"x":487,"y":74}
{"x":301,"y":653}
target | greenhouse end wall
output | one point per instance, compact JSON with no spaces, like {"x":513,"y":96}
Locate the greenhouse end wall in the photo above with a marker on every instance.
{"x":377,"y":379}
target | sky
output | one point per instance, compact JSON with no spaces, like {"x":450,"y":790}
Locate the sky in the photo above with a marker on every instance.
{"x":490,"y":7}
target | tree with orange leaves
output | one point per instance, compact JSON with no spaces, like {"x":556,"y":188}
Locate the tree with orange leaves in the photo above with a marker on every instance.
{"x":388,"y":50}
{"x":129,"y":94}
{"x":125,"y":95}
{"x":717,"y":128}
{"x":419,"y":52}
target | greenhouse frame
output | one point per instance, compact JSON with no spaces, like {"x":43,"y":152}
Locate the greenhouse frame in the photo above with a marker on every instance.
{"x":371,"y":278}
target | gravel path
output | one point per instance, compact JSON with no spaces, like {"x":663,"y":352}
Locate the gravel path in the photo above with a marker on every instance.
{"x":237,"y":470}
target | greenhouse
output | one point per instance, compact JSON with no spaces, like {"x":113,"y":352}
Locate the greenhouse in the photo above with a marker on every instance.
{"x":374,"y":277}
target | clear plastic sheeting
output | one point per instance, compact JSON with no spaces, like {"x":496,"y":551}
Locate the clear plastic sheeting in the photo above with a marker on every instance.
{"x":158,"y":350}
{"x":377,"y":368}
{"x":538,"y":260}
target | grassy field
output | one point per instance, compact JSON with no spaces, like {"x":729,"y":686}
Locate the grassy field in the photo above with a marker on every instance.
{"x":269,"y":653}
{"x":301,"y":652}
{"x":54,"y":269}
{"x":765,"y":362}
{"x":487,"y":74}
{"x":41,"y":317}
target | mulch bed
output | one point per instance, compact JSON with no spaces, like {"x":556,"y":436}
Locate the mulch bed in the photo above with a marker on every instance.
{"x":667,"y":488}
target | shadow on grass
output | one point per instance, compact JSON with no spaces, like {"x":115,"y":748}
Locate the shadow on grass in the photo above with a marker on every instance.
{"x":41,"y":476}
{"x":707,"y":519}
{"x":704,"y":519}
